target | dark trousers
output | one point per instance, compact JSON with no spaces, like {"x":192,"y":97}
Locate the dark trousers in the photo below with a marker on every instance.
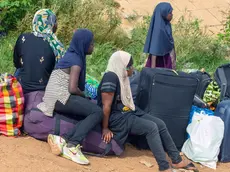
{"x":80,"y":108}
{"x":158,"y":138}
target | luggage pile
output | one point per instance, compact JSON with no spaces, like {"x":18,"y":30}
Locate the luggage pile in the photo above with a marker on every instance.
{"x":172,"y":96}
{"x":168,"y":95}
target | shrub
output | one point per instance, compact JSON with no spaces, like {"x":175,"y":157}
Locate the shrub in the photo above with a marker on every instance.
{"x":6,"y":52}
{"x":196,"y":48}
{"x":100,"y":16}
{"x":12,"y":11}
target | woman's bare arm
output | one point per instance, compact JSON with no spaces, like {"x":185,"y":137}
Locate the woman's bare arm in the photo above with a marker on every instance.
{"x":107,"y":100}
{"x":73,"y":81}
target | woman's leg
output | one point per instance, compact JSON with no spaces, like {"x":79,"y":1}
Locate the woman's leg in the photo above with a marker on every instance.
{"x":150,"y":130}
{"x":153,"y":60}
{"x":167,"y":61}
{"x":166,"y":138}
{"x":78,"y":106}
{"x":173,"y":57}
{"x":169,"y":144}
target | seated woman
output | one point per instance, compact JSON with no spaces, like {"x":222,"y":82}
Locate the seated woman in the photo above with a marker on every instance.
{"x":36,"y":53}
{"x":122,"y":118}
{"x":65,"y":95}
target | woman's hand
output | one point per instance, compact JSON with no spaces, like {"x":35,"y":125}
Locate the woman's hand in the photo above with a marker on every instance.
{"x":107,"y":135}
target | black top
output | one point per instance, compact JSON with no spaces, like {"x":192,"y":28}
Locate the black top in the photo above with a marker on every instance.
{"x":36,"y":60}
{"x":110,"y":83}
{"x":120,"y":122}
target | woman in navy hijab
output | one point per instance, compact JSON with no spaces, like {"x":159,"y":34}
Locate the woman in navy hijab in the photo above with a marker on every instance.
{"x":64,"y":94}
{"x":159,"y":42}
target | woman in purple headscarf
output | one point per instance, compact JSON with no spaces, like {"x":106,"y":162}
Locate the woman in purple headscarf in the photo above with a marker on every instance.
{"x":159,"y":42}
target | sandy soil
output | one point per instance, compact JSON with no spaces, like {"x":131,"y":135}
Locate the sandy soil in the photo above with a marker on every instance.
{"x":26,"y":154}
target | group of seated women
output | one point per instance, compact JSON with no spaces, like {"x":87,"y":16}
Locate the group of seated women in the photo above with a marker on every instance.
{"x":43,"y":65}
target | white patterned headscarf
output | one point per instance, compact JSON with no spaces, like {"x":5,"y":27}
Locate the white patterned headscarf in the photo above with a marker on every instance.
{"x":43,"y":23}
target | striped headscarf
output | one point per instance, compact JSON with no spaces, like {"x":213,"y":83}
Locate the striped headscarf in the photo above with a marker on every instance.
{"x":43,"y":23}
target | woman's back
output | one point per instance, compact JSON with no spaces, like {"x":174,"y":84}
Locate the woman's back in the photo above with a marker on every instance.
{"x":36,"y":60}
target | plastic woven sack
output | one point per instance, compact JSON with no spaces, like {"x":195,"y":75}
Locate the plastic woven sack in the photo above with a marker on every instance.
{"x":91,"y":86}
{"x":11,"y":105}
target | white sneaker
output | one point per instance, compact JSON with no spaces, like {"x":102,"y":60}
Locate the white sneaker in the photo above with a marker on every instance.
{"x":56,"y":144}
{"x":75,"y":154}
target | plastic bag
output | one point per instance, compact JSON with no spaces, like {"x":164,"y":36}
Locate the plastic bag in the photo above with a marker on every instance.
{"x":206,"y":134}
{"x":202,"y":111}
{"x":91,"y":87}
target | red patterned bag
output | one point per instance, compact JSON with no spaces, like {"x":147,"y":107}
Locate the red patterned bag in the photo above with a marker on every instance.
{"x":11,"y":105}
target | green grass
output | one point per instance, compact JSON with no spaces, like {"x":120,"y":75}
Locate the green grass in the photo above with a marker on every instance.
{"x":195,"y":49}
{"x":6,"y":53}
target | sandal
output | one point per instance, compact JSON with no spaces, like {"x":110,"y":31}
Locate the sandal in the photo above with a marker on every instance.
{"x":188,"y":167}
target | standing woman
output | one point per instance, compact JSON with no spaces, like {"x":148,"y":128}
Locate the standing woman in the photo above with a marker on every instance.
{"x":36,"y":53}
{"x":159,"y":42}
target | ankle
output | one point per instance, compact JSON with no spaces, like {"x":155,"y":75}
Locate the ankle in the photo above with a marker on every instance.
{"x":70,"y":145}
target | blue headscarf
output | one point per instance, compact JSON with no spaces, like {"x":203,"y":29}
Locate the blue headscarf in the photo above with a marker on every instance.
{"x":76,"y":54}
{"x":159,"y":41}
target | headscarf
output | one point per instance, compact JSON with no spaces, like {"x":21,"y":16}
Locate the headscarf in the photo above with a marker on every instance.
{"x":159,"y":41}
{"x":76,"y":54}
{"x":43,"y":23}
{"x":117,"y":64}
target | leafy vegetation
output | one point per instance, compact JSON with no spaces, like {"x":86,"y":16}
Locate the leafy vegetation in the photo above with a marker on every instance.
{"x":194,"y":47}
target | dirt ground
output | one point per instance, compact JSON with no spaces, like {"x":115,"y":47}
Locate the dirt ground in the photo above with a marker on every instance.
{"x":26,"y":154}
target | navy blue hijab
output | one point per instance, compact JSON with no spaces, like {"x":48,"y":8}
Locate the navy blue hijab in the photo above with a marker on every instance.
{"x":76,"y":54}
{"x":159,"y":41}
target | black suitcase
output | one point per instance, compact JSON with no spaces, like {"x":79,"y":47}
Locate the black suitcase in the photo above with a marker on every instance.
{"x":222,"y":77}
{"x":223,"y":111}
{"x":168,"y":95}
{"x":134,"y":81}
{"x":204,"y":80}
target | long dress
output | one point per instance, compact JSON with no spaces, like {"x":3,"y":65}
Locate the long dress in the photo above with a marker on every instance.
{"x":161,"y":61}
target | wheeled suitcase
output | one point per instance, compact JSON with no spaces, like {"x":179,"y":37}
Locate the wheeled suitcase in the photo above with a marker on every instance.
{"x":168,"y":95}
{"x":222,"y":77}
{"x":223,"y":111}
{"x":204,"y":79}
{"x":134,"y":81}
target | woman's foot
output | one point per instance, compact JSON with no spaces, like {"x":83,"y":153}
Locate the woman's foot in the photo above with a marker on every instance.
{"x":56,"y":143}
{"x":74,"y":154}
{"x":169,"y":170}
{"x":185,"y":164}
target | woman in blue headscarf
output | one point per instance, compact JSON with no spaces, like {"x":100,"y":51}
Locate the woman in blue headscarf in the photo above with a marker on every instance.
{"x":159,"y":42}
{"x":64,"y":94}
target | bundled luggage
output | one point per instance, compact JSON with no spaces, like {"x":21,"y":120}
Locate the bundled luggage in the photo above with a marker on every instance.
{"x":168,"y":95}
{"x":39,"y":126}
{"x":11,"y":105}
